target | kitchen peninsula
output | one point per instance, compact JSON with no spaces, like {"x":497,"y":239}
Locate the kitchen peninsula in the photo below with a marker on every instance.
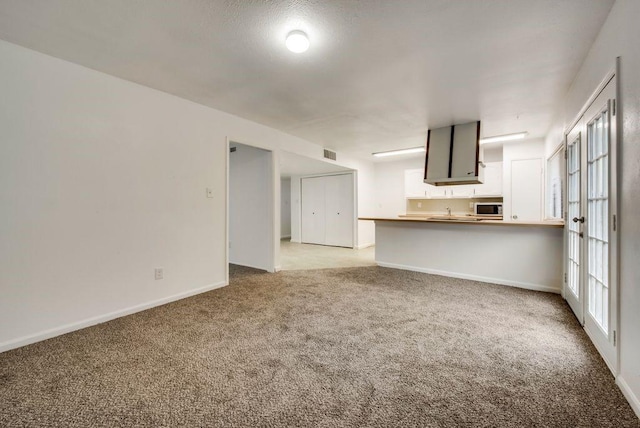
{"x":521,"y":254}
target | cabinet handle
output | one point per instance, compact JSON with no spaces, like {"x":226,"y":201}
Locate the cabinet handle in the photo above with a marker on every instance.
{"x":576,"y":219}
{"x":515,"y":217}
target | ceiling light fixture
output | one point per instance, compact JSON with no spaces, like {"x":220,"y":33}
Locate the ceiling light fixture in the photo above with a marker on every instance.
{"x":399,"y":152}
{"x":507,"y":137}
{"x":297,"y":41}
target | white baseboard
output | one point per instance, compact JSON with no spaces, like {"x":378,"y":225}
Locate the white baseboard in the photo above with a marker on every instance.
{"x":296,"y":241}
{"x":363,"y":246}
{"x":610,"y":364}
{"x":633,"y":400}
{"x":526,"y":285}
{"x":67,"y":328}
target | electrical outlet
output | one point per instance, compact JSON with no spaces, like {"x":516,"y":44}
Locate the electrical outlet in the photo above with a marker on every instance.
{"x":471,"y":205}
{"x":419,"y":204}
{"x":159,"y":273}
{"x":209,"y":192}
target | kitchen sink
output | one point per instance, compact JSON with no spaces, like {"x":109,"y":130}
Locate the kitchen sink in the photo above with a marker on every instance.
{"x":447,"y":218}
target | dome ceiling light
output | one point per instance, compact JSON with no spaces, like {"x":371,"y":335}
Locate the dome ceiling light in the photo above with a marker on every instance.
{"x":297,"y":41}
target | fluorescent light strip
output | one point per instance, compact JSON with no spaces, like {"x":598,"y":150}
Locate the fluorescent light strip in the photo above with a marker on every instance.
{"x":399,"y":152}
{"x":507,"y":137}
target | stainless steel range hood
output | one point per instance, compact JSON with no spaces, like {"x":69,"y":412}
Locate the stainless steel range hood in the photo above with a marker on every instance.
{"x":453,"y":155}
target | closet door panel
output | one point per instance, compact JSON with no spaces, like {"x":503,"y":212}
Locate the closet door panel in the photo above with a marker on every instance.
{"x":339,"y":210}
{"x":313,"y":210}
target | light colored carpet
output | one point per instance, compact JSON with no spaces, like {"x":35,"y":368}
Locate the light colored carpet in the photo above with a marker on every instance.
{"x":366,"y":346}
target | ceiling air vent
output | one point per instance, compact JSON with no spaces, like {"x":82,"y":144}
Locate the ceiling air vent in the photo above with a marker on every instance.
{"x":328,"y":154}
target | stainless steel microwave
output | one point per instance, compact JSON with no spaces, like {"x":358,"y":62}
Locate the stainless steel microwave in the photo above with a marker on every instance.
{"x":488,"y":209}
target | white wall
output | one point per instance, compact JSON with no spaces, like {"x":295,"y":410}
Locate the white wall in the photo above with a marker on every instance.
{"x":101,"y":181}
{"x":389,"y":186}
{"x":296,"y":209}
{"x":619,"y":37}
{"x":366,"y":191}
{"x":285,"y":207}
{"x":250,"y":208}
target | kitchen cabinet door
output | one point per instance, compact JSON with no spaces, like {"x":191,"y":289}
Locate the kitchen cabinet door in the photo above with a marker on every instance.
{"x":526,"y":190}
{"x":492,"y":185}
{"x":438,"y":192}
{"x":462,"y":191}
{"x":313,"y":210}
{"x":414,"y":187}
{"x":339,"y":210}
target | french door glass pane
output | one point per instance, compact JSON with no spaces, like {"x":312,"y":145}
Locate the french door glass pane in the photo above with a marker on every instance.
{"x":573,"y":201}
{"x":598,"y":219}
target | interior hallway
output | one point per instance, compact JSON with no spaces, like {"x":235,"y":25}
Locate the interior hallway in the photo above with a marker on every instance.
{"x":294,"y":256}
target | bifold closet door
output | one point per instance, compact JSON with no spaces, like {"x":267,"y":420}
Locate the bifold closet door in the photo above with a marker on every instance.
{"x":313,"y":210}
{"x":328,"y":210}
{"x":339,"y":210}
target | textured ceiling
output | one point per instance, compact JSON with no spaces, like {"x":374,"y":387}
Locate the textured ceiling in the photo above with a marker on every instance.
{"x":292,"y":164}
{"x":378,"y":74}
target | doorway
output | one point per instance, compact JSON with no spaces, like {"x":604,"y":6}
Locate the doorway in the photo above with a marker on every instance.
{"x":591,"y":231}
{"x":306,"y":181}
{"x":251,"y":207}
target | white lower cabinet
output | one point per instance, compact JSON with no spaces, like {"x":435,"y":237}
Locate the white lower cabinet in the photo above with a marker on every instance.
{"x":328,"y":210}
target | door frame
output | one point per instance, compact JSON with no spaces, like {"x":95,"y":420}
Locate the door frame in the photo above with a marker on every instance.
{"x":273,"y":208}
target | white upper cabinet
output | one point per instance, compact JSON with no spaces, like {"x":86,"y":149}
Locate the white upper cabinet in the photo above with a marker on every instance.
{"x":492,"y":186}
{"x":414,"y":187}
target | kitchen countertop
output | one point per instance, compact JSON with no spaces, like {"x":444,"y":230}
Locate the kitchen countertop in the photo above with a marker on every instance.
{"x":413,"y":218}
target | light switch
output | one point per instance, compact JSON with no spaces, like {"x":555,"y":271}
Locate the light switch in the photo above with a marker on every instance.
{"x":209,"y":192}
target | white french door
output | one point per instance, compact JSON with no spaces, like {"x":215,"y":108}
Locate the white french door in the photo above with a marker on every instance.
{"x":573,"y":291}
{"x":591,"y":258}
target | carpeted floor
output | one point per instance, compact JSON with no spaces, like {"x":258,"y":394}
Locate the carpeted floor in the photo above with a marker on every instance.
{"x":367,"y":346}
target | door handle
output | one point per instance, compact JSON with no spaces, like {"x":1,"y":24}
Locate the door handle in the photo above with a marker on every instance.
{"x":576,"y":219}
